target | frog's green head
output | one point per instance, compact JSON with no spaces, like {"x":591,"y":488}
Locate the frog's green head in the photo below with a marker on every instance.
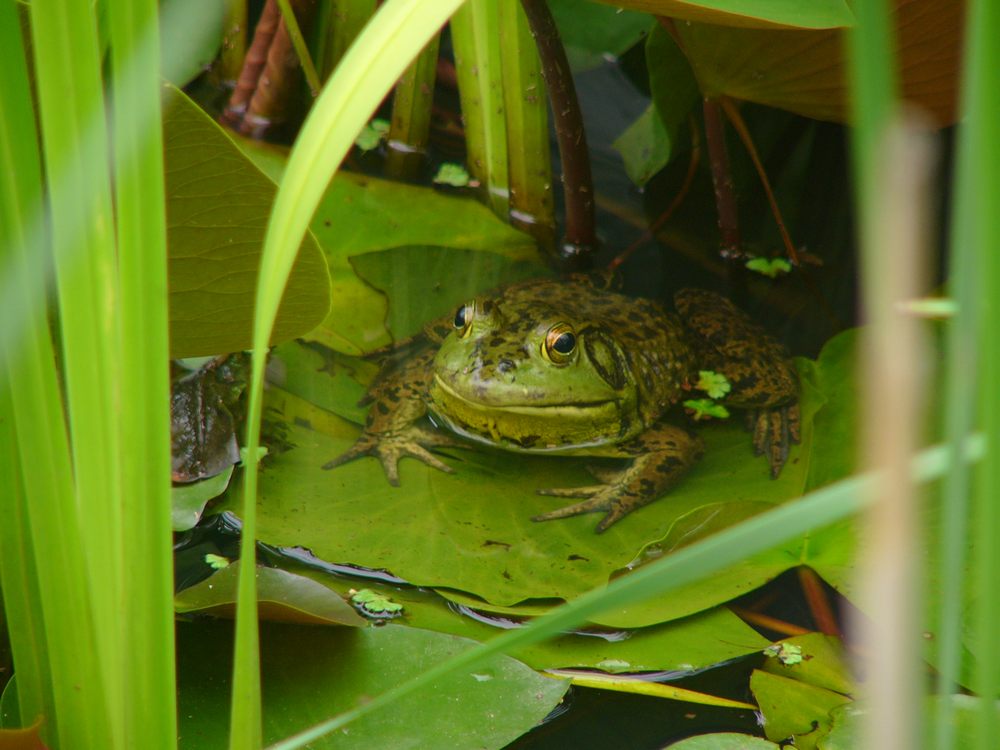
{"x":532,"y":379}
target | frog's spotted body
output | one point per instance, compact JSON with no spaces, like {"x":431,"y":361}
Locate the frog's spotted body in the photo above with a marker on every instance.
{"x":572,"y":368}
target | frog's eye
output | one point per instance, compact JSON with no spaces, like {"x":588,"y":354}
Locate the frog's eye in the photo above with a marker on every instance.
{"x":463,"y":317}
{"x":560,"y":343}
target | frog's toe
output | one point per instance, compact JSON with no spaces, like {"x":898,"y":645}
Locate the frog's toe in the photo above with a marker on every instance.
{"x":600,"y":499}
{"x":390,"y":447}
{"x":365,"y":445}
{"x":774,"y":430}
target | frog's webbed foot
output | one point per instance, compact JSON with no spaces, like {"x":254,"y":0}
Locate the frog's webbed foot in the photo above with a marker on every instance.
{"x":390,"y":447}
{"x":660,"y":457}
{"x":774,"y":430}
{"x":601,"y":497}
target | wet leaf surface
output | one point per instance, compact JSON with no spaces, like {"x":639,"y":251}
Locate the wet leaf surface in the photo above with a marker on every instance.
{"x":281,"y":597}
{"x":218,"y":203}
{"x":678,"y":647}
{"x":724,"y":741}
{"x":188,"y":500}
{"x":312,"y":673}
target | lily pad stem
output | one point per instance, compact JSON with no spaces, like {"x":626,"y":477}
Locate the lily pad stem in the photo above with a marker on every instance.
{"x":578,"y":187}
{"x":722,"y":180}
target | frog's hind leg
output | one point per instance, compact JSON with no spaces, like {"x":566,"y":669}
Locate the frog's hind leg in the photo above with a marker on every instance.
{"x":761,"y":375}
{"x":659,"y":458}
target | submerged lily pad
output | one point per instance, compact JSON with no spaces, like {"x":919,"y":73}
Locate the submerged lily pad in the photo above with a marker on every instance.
{"x":310,"y":674}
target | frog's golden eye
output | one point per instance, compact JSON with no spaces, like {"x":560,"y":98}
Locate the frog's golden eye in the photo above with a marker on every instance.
{"x":560,"y":344}
{"x":463,"y":317}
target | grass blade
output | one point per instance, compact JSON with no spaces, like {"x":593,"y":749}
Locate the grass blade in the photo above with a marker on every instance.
{"x":149,"y":712}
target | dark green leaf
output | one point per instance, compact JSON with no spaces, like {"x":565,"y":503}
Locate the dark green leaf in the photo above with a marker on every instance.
{"x":591,"y":31}
{"x":817,"y":14}
{"x":793,"y":708}
{"x":217,"y":208}
{"x":188,"y":500}
{"x":724,"y":741}
{"x":310,"y":674}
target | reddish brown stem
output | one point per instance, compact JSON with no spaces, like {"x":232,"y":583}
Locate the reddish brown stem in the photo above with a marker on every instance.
{"x":272,"y":97}
{"x":722,"y":180}
{"x":664,"y":217}
{"x":578,"y":188}
{"x":253,"y":63}
{"x":770,"y":623}
{"x":819,"y":602}
{"x":734,"y":116}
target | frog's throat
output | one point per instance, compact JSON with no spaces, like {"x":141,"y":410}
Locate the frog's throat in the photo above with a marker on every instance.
{"x":550,"y":428}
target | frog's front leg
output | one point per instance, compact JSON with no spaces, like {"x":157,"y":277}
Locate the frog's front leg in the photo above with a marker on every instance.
{"x":659,"y":458}
{"x":394,"y":427}
{"x":761,"y":375}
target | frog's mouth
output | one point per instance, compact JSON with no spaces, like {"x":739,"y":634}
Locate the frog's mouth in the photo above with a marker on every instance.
{"x":535,"y":428}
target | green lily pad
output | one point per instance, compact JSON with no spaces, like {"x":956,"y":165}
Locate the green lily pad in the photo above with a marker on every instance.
{"x":188,"y":500}
{"x":822,"y":663}
{"x":691,"y":643}
{"x":218,"y":205}
{"x":281,"y":597}
{"x":310,"y":674}
{"x":471,"y":530}
{"x":361,"y":214}
{"x":644,"y":146}
{"x":321,"y":376}
{"x":458,"y":276}
{"x":724,"y":741}
{"x":794,"y":709}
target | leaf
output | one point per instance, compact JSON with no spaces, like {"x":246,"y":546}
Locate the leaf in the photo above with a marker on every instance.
{"x":713,"y":383}
{"x":371,"y":135}
{"x":188,"y":500}
{"x":281,"y":596}
{"x":770,"y":267}
{"x":310,"y":674}
{"x":217,"y":208}
{"x":724,"y":741}
{"x":361,"y":214}
{"x":591,"y":31}
{"x":802,"y":71}
{"x":472,"y":531}
{"x":644,"y":146}
{"x":429,"y":282}
{"x":683,"y":646}
{"x":451,"y":174}
{"x":816,"y":14}
{"x":183,"y":55}
{"x":794,"y":709}
{"x":706,"y":408}
{"x":821,"y":662}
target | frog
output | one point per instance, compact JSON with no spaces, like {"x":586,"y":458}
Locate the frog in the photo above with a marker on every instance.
{"x":574,"y":367}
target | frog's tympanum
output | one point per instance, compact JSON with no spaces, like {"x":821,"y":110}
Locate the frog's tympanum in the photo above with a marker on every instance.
{"x":572,"y":368}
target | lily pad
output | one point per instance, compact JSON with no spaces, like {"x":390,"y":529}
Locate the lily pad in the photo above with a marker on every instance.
{"x":458,"y":276}
{"x":281,"y":597}
{"x":680,"y":647}
{"x":361,"y":214}
{"x":187,"y":501}
{"x":803,"y":71}
{"x":816,"y":14}
{"x":310,"y":674}
{"x":794,"y":709}
{"x":822,"y":663}
{"x":724,"y":741}
{"x":471,"y":530}
{"x":218,"y":203}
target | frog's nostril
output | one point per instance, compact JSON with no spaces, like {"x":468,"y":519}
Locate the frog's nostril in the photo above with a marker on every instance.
{"x":505,"y":365}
